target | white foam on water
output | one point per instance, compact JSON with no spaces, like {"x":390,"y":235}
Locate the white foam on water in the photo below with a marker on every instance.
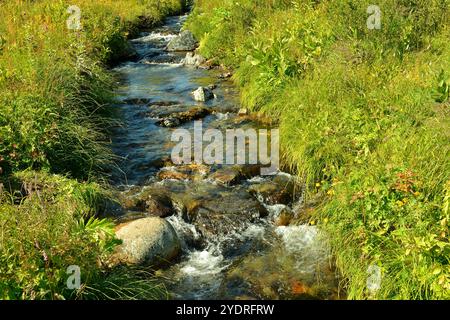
{"x":275,"y":210}
{"x":297,"y":238}
{"x":305,"y":244}
{"x":128,"y":66}
{"x":182,"y":227}
{"x":203,"y":263}
{"x":163,"y":64}
{"x":155,"y":36}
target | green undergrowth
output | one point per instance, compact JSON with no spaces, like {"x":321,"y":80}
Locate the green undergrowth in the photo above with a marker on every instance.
{"x":55,"y":92}
{"x":364,"y":118}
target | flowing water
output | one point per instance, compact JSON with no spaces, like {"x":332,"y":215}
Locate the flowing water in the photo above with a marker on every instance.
{"x":240,"y":248}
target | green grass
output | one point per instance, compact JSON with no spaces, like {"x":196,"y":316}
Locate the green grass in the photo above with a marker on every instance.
{"x":54,"y":89}
{"x":364,"y":118}
{"x":55,"y":93}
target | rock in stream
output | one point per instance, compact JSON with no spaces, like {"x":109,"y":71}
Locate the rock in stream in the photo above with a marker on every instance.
{"x":149,"y":241}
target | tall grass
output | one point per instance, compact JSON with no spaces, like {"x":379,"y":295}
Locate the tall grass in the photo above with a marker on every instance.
{"x":364,"y":121}
{"x":54,"y":88}
{"x":55,"y":92}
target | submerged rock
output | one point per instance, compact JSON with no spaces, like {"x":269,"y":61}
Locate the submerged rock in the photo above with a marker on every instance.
{"x":148,"y":241}
{"x":184,"y":42}
{"x":184,"y":172}
{"x":203,"y":94}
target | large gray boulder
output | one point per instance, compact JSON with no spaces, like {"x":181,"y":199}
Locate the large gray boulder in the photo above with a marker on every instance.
{"x":184,"y":42}
{"x":149,"y":241}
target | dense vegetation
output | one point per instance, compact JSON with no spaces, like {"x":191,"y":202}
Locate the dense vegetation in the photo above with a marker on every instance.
{"x":54,"y":90}
{"x":364,"y":118}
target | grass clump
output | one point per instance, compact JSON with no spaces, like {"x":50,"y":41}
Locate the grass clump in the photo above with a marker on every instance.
{"x":54,"y":148}
{"x":364,"y":121}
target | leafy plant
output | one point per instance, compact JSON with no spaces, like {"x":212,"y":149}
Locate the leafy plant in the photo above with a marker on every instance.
{"x":443,"y":90}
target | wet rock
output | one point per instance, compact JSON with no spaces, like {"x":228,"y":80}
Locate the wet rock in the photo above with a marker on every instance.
{"x":232,"y":175}
{"x":243,"y":120}
{"x":203,"y":94}
{"x":226,"y":176}
{"x":193,"y":59}
{"x":151,"y":201}
{"x":184,"y":42}
{"x":184,"y":172}
{"x":176,"y":119}
{"x":225,"y":214}
{"x":130,"y":216}
{"x":149,"y":241}
{"x":156,"y":202}
{"x":280,"y":190}
{"x":161,"y":111}
{"x":194,"y":169}
{"x":172,"y":175}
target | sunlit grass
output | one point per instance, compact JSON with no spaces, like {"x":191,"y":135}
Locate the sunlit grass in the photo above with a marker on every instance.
{"x":364,"y":121}
{"x":55,"y":93}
